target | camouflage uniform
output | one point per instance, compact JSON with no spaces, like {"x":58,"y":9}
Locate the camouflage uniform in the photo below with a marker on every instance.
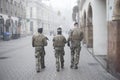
{"x":39,"y":41}
{"x":59,"y":43}
{"x":75,"y":46}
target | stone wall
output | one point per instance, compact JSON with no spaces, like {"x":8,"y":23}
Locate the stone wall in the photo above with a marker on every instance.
{"x":114,"y":46}
{"x":89,"y":38}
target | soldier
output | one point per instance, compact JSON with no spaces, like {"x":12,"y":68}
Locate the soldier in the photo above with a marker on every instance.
{"x":75,"y":38}
{"x":39,"y":41}
{"x":59,"y":43}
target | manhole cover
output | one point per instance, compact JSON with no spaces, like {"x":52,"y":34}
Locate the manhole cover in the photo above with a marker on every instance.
{"x":3,"y":58}
{"x":93,"y":64}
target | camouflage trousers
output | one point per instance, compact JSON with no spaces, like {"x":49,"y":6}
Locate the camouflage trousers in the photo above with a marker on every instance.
{"x":39,"y":55}
{"x":59,"y":55}
{"x":75,"y":54}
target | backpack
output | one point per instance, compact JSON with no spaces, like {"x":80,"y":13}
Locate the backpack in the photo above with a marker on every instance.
{"x":38,"y":40}
{"x":59,"y":41}
{"x":76,"y":34}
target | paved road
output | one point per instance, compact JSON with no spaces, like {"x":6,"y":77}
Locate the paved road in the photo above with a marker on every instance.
{"x":17,"y":62}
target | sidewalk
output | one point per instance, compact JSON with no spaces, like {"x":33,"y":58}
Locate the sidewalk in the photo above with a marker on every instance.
{"x":102,"y":59}
{"x":20,"y":64}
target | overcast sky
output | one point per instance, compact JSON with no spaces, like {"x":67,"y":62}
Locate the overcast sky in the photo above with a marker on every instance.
{"x":64,"y":6}
{"x":61,"y":4}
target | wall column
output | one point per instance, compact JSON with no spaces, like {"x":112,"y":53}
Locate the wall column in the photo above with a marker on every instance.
{"x":89,"y":35}
{"x":114,"y":39}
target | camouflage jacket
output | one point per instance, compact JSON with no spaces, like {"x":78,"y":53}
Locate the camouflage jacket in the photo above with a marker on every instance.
{"x":59,"y":41}
{"x":75,"y":37}
{"x":39,"y":40}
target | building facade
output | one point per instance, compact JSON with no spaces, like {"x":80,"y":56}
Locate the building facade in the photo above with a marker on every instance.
{"x":15,"y":9}
{"x":41,"y":15}
{"x":100,"y":21}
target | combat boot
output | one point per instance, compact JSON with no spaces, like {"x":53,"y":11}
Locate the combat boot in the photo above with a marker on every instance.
{"x":42,"y":67}
{"x":58,"y":70}
{"x":76,"y":67}
{"x":71,"y":66}
{"x":62,"y":65}
{"x":38,"y":70}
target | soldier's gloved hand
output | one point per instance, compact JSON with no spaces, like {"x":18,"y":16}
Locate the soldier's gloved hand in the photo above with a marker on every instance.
{"x":63,"y":53}
{"x":47,"y":38}
{"x":36,"y":56}
{"x":33,"y":46}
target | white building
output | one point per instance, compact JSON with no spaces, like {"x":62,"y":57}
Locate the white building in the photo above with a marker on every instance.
{"x":40,"y":15}
{"x":100,"y":21}
{"x":94,"y":20}
{"x":15,"y":9}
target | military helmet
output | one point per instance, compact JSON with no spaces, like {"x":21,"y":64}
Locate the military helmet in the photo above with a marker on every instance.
{"x":40,"y":30}
{"x":59,"y":29}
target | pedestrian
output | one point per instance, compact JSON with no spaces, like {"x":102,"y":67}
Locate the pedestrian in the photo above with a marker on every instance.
{"x":75,"y":37}
{"x":1,"y":25}
{"x":8,"y":25}
{"x":39,"y":41}
{"x":59,"y":42}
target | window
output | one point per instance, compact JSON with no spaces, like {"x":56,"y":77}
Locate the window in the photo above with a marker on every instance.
{"x":11,"y":1}
{"x":31,"y":12}
{"x":11,"y":12}
{"x":15,"y":3}
{"x":31,"y":26}
{"x":0,"y":6}
{"x":6,"y":11}
{"x":1,"y":10}
{"x":15,"y":13}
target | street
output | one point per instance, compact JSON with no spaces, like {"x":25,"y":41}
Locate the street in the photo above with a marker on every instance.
{"x":17,"y":62}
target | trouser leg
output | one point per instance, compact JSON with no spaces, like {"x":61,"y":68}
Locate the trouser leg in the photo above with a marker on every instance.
{"x":72,"y":57}
{"x":62,"y":61}
{"x":38,"y":64}
{"x":77,"y":55}
{"x":42,"y":62}
{"x":43,"y":59}
{"x":57,"y":61}
{"x":57,"y":64}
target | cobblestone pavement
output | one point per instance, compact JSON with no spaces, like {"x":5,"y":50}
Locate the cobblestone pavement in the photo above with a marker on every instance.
{"x":17,"y":62}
